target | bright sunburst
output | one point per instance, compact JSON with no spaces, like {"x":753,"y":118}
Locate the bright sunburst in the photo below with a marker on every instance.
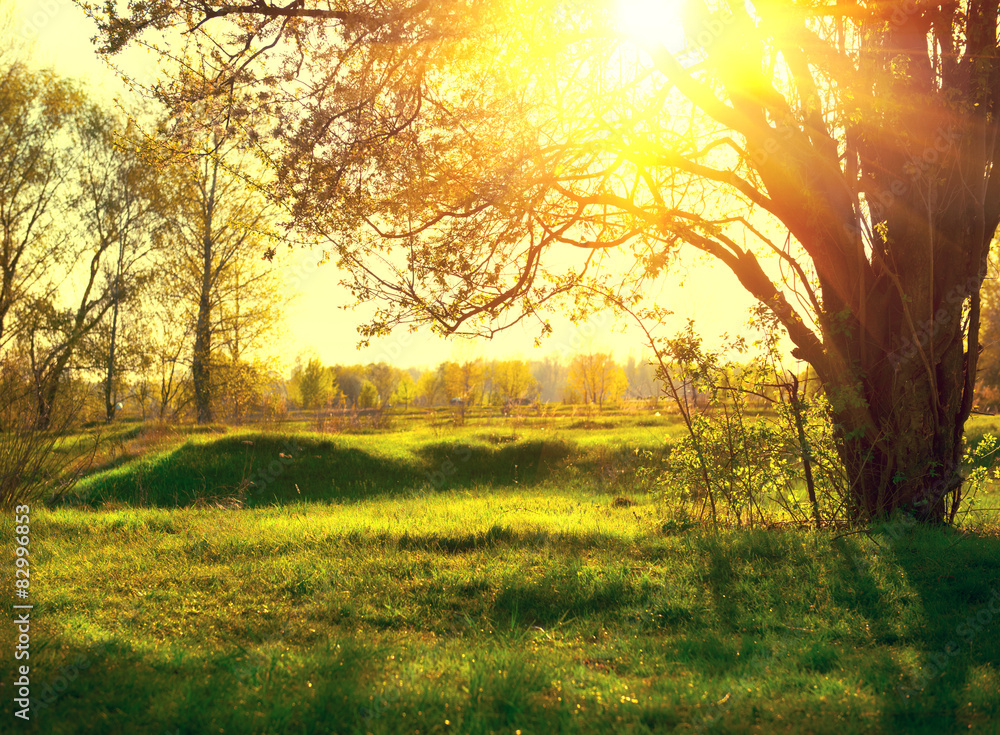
{"x":652,"y":22}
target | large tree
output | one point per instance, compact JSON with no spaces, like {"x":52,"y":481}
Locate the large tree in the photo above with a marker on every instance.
{"x":98,"y":235}
{"x":836,"y":157}
{"x":230,"y":294}
{"x":38,"y":115}
{"x":120,"y":204}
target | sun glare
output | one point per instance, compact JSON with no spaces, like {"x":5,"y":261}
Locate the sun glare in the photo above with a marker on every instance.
{"x":652,"y":22}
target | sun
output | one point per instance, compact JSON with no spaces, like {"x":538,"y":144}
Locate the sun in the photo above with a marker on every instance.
{"x":653,"y":22}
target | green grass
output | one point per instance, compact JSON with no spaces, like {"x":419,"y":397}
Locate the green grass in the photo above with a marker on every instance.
{"x":513,"y":594}
{"x":260,"y":468}
{"x":502,"y":611}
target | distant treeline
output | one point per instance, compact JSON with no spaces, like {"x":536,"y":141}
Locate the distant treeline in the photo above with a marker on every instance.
{"x":593,"y":378}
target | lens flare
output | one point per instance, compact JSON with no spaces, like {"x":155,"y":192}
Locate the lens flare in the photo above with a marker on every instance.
{"x":653,"y":22}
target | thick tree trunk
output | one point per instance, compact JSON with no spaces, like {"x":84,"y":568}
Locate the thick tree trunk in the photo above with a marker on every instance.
{"x":45,"y":399}
{"x":913,"y":465}
{"x":905,"y":452}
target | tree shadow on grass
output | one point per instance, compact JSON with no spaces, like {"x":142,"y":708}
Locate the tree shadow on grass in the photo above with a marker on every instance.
{"x":459,"y":465}
{"x":344,"y":686}
{"x":778,"y":621}
{"x":912,"y":593}
{"x":956,"y":579}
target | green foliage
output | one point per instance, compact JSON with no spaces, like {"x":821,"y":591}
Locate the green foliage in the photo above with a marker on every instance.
{"x":349,"y":380}
{"x":242,"y":390}
{"x":510,"y":381}
{"x":750,"y":436}
{"x":488,"y":581}
{"x":314,"y":384}
{"x":406,"y":391}
{"x":368,"y":397}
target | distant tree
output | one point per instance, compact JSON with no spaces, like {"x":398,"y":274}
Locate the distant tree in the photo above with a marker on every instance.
{"x":511,"y":380}
{"x":551,"y":376}
{"x":369,"y":397}
{"x":385,"y":378}
{"x":349,"y":379}
{"x":641,"y":377}
{"x":315,"y":384}
{"x":431,"y":387}
{"x":597,"y":378}
{"x":464,"y":380}
{"x":406,"y":391}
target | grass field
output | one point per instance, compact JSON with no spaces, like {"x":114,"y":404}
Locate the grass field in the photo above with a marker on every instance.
{"x":496,"y":578}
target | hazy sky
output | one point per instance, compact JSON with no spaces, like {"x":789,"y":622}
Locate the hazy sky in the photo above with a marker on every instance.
{"x":61,"y":33}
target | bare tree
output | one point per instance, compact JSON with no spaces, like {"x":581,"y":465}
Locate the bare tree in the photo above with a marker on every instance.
{"x":597,"y":378}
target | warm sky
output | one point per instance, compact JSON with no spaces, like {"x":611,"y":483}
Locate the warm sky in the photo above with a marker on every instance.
{"x":60,"y":36}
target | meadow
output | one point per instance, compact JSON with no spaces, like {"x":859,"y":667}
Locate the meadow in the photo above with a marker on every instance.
{"x":512,"y":575}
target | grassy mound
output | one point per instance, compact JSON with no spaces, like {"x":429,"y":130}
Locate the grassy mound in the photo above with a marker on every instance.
{"x":255,"y":468}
